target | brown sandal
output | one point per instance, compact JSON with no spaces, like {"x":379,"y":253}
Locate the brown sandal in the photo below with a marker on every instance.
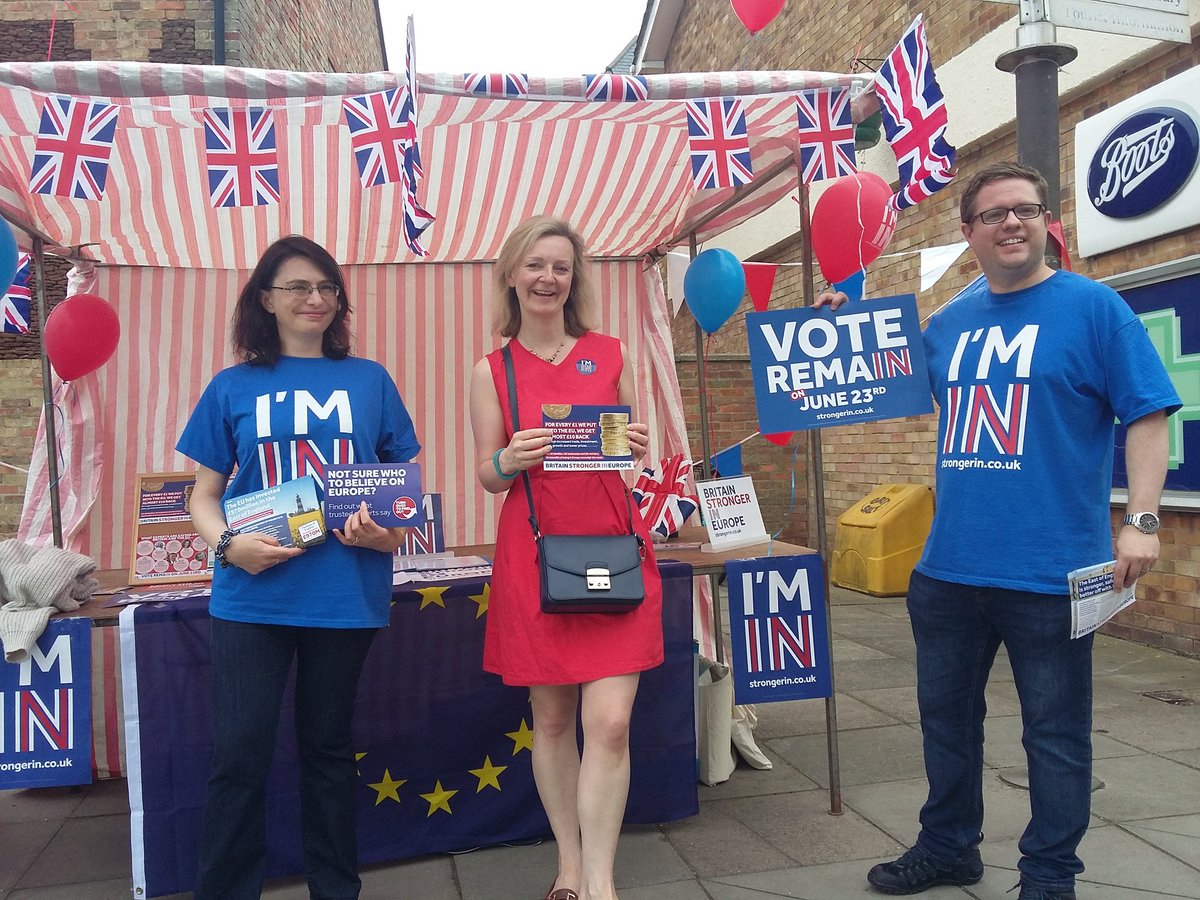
{"x":561,"y":894}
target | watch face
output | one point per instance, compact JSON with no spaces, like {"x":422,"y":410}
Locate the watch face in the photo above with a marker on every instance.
{"x":1146,"y":523}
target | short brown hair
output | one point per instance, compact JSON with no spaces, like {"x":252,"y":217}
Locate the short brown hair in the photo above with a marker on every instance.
{"x":1000,"y":172}
{"x":506,"y":310}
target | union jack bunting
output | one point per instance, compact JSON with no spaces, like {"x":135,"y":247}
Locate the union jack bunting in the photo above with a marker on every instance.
{"x":661,"y":495}
{"x":15,"y":306}
{"x":610,"y":86}
{"x":718,"y":143}
{"x":241,"y":155}
{"x":496,"y":85}
{"x":74,"y":142}
{"x":381,"y":132}
{"x":914,"y":119}
{"x":826,"y":135}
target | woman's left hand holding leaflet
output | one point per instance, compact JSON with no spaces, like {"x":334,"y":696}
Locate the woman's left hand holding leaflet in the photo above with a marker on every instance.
{"x":363,"y":531}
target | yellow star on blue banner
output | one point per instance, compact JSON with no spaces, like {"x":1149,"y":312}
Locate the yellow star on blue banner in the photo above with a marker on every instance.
{"x":388,"y":789}
{"x":481,"y":599}
{"x":431,"y":595}
{"x":489,"y":775}
{"x":439,"y":798}
{"x":358,"y":758}
{"x":522,"y":738}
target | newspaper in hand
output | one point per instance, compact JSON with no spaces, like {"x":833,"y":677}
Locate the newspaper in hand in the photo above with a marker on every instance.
{"x":1093,"y":600}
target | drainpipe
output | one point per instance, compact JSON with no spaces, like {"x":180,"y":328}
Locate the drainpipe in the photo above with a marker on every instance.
{"x":218,"y":32}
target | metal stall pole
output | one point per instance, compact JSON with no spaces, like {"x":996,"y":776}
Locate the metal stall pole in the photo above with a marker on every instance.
{"x":47,"y":395}
{"x":706,"y":467}
{"x":816,"y":464}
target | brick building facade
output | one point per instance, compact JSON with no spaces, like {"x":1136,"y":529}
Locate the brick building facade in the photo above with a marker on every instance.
{"x":307,"y":35}
{"x":816,"y":36}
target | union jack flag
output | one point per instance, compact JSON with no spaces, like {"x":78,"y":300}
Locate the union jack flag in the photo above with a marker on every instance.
{"x":914,"y":119}
{"x":497,"y":84}
{"x":14,"y":308}
{"x":610,"y":86}
{"x":74,"y":143}
{"x":662,"y":496}
{"x":412,"y":155}
{"x":416,"y":218}
{"x":826,"y":135}
{"x":381,"y":133}
{"x":718,"y":143}
{"x":242,"y":158}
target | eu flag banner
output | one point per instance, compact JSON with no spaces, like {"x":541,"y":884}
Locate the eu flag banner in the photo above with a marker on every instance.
{"x":443,"y":748}
{"x":814,"y":368}
{"x":46,"y":710}
{"x":777,"y":629}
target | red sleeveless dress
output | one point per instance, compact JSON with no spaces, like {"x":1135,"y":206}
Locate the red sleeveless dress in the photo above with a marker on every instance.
{"x":522,"y":644}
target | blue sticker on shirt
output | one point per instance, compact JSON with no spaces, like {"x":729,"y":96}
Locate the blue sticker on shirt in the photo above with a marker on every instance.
{"x":586,"y":367}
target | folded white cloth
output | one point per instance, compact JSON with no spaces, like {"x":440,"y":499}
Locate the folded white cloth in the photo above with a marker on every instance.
{"x":34,"y":582}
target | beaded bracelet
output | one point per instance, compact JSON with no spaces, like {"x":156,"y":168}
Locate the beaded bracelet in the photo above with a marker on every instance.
{"x":222,"y":545}
{"x":499,"y":471}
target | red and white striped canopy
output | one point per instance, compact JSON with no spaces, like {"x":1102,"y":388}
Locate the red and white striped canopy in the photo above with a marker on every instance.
{"x":618,"y":170}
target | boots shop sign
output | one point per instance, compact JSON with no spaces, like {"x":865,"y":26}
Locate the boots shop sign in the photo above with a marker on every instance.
{"x":1136,"y":167}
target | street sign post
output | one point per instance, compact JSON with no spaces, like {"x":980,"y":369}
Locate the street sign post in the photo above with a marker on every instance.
{"x":1162,"y":20}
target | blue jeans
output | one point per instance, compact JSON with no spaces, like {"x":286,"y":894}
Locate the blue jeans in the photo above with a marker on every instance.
{"x":957,"y":629}
{"x":250,"y":665}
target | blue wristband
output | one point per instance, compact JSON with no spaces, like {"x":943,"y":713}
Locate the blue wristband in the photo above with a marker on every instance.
{"x":499,"y":471}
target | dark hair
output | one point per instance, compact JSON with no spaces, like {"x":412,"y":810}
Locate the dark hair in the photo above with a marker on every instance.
{"x":1000,"y":172}
{"x":255,"y":334}
{"x":579,"y":310}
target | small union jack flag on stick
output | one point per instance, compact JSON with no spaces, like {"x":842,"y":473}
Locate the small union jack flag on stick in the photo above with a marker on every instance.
{"x":14,"y":308}
{"x":494,"y":84}
{"x":718,"y":143}
{"x":826,"y":134}
{"x":74,"y":143}
{"x":662,"y":496}
{"x":241,"y":155}
{"x":914,"y":119}
{"x":610,"y":86}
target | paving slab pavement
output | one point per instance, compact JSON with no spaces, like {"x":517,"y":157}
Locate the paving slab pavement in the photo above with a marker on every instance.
{"x":769,"y":834}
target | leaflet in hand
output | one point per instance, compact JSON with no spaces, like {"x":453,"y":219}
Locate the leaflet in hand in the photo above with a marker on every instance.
{"x":1093,"y":600}
{"x":392,"y":492}
{"x":288,"y":512}
{"x":587,"y":437}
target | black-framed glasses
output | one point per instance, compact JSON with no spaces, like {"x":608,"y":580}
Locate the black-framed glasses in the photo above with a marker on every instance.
{"x":302,"y":290}
{"x":1000,"y":213}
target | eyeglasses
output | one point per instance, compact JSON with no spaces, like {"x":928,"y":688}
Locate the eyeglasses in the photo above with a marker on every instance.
{"x":1000,"y":213}
{"x":302,"y":290}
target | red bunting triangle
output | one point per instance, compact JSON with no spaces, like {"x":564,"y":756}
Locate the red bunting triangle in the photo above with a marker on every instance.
{"x":780,"y":437}
{"x":760,"y":278}
{"x":1055,"y":231}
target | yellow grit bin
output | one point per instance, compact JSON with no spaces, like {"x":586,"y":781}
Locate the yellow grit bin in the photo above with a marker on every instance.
{"x":880,"y":539}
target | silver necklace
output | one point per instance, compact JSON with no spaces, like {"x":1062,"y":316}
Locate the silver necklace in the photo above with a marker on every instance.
{"x":553,"y":356}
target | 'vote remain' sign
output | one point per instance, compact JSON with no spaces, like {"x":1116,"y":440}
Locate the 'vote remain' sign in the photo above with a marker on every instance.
{"x":814,"y":367}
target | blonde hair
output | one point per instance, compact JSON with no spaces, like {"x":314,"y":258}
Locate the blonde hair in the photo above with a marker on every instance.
{"x":506,"y":309}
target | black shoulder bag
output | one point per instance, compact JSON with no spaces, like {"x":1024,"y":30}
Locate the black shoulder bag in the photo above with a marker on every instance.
{"x":583,"y":573}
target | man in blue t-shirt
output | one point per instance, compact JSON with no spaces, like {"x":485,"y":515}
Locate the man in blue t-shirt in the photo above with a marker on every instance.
{"x":1029,"y":370}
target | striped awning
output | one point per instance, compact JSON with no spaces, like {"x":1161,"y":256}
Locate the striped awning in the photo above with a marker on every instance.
{"x":619,"y":170}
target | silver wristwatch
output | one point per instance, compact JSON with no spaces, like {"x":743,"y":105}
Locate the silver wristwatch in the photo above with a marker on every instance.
{"x":1145,"y":522}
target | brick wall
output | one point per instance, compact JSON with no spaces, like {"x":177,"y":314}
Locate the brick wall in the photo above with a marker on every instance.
{"x":858,"y":458}
{"x":311,"y":35}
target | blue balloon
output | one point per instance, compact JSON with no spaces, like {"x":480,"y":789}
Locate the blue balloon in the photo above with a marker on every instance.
{"x":8,"y":256}
{"x":713,"y":287}
{"x":852,"y":286}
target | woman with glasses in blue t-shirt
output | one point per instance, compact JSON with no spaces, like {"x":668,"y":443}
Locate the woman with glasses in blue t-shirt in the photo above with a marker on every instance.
{"x":297,"y":401}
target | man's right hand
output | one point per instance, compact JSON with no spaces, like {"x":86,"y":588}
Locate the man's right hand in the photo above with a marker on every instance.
{"x":833,"y":299}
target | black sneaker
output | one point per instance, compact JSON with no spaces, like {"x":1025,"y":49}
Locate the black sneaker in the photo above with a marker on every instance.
{"x":1030,"y":892}
{"x":915,"y":871}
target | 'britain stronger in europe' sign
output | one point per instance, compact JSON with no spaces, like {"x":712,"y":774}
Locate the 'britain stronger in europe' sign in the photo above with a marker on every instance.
{"x":814,"y":368}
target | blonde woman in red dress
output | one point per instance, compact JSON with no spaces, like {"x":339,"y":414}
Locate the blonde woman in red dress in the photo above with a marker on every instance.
{"x":585,"y":664}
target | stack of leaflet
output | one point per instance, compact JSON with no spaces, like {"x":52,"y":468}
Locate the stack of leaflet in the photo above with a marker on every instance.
{"x":429,"y":568}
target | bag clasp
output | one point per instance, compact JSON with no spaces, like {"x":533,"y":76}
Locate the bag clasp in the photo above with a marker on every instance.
{"x":598,"y":578}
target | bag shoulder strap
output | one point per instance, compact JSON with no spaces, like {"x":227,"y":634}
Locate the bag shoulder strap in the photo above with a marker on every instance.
{"x":511,"y":377}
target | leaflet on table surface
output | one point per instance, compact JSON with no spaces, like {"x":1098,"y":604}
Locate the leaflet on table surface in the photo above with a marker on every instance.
{"x":289,"y":512}
{"x":431,"y":576}
{"x":1093,"y":600}
{"x":587,"y":437}
{"x":392,"y":492}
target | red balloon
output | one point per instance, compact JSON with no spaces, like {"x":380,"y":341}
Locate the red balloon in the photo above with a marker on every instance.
{"x":852,"y":224}
{"x":780,"y":438}
{"x":81,"y":333}
{"x":757,"y":14}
